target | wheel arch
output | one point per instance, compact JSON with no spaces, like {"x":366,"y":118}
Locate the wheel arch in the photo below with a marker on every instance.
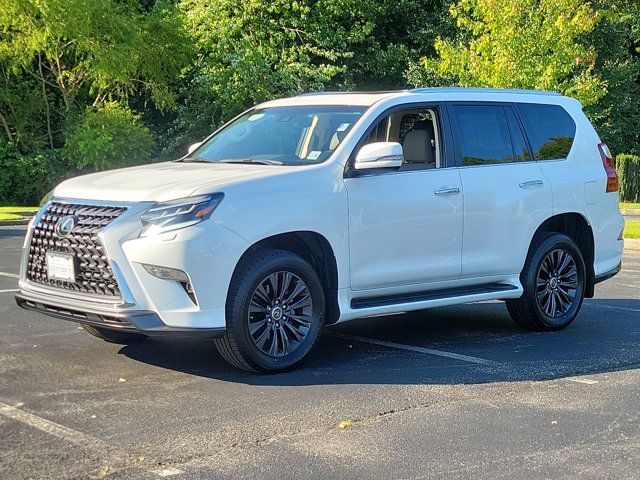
{"x":576,"y":226}
{"x":315,"y":249}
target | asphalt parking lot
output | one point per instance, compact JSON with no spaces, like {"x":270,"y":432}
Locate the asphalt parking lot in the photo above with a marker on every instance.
{"x":456,"y":392}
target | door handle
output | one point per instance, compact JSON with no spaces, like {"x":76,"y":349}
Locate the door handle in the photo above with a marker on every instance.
{"x":447,"y":191}
{"x":532,"y":183}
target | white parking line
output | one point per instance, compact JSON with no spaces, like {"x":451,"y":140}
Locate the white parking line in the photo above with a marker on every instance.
{"x":10,"y":275}
{"x":428,"y":351}
{"x":628,"y":285}
{"x":614,"y":308}
{"x":586,"y":381}
{"x":10,"y":290}
{"x":80,"y":439}
{"x":52,"y":428}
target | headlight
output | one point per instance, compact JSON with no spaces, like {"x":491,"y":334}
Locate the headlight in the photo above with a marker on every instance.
{"x":181,"y":213}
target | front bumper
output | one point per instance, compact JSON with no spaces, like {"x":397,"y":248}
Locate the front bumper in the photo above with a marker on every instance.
{"x":207,"y":252}
{"x":131,"y":320}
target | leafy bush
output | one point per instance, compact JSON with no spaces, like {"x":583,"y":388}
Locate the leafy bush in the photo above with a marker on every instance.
{"x":109,"y":137}
{"x":26,"y":179}
{"x":628,"y":167}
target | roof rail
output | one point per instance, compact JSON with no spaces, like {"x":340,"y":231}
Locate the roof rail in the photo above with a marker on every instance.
{"x":373,"y":92}
{"x":481,"y":90}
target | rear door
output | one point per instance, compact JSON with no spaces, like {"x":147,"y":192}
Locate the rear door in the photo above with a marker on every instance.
{"x":506,"y":196}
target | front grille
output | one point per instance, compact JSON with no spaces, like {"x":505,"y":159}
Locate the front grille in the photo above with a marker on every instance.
{"x":93,"y":271}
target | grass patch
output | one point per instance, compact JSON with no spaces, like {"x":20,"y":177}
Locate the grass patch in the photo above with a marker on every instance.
{"x":4,"y":217}
{"x":11,"y":213}
{"x":630,"y":206}
{"x":632,"y":229}
{"x":18,"y":209}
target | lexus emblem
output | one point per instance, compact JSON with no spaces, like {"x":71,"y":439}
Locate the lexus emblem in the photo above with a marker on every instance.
{"x":65,"y":225}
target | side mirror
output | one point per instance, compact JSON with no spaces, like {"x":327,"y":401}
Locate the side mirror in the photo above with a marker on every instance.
{"x":193,"y":147}
{"x":379,"y":155}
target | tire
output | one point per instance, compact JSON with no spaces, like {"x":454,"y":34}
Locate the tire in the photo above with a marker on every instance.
{"x":256,"y":322}
{"x":553,"y":256}
{"x":113,"y":336}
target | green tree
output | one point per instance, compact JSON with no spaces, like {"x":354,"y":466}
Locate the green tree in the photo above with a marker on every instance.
{"x":74,"y":73}
{"x":402,"y":32}
{"x":256,"y":50}
{"x":24,"y":180}
{"x":109,"y":137}
{"x":616,"y":41}
{"x":522,"y":44}
{"x":81,"y":52}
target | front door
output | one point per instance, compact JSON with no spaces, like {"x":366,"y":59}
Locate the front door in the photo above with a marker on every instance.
{"x":405,"y":226}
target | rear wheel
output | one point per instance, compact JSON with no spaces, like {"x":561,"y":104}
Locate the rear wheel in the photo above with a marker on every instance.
{"x":554,"y":280}
{"x":275,"y":312}
{"x":113,"y":336}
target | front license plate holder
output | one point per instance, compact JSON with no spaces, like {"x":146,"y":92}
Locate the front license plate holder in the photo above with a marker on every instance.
{"x":61,"y":267}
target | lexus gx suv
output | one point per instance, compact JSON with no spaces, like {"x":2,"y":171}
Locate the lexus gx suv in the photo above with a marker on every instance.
{"x":308,"y":211}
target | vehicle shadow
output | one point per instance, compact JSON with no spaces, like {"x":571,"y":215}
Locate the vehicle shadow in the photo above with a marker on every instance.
{"x":604,"y":338}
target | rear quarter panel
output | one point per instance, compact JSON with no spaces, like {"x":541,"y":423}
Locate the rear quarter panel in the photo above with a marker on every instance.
{"x":578,"y":184}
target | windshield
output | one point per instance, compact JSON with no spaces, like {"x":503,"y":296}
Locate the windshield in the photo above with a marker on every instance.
{"x":299,"y":135}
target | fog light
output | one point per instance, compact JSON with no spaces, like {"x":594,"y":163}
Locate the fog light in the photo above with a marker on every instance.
{"x":167,"y":273}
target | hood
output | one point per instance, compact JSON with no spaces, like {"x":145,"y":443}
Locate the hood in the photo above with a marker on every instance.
{"x":161,"y":181}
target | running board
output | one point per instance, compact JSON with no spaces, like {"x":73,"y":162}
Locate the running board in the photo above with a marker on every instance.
{"x":404,"y":298}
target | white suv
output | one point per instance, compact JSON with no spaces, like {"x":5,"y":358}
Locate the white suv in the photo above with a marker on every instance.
{"x":308,"y":211}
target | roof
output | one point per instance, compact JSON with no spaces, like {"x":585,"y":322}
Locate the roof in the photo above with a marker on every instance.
{"x":369,"y":98}
{"x":364,"y":99}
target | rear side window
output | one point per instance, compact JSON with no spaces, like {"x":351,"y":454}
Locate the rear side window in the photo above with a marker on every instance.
{"x":483,"y":134}
{"x":550,"y":130}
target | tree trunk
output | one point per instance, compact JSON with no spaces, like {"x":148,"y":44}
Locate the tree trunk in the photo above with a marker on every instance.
{"x":57,"y":73}
{"x":46,"y":103}
{"x":3,"y":120}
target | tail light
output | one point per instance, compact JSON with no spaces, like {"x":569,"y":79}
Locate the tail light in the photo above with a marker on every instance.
{"x":609,"y":167}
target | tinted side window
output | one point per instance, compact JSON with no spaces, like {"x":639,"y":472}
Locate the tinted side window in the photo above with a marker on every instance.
{"x":550,"y":130}
{"x":417,"y":130}
{"x":483,"y":134}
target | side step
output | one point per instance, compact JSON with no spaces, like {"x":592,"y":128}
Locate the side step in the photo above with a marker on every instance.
{"x":386,"y":300}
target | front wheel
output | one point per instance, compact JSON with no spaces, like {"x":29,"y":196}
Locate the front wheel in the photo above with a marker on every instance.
{"x":554,"y":281}
{"x":275,"y":312}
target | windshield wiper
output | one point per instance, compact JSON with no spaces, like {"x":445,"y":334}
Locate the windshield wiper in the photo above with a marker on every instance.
{"x":252,"y":160}
{"x":194,"y":160}
{"x":232,"y":160}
